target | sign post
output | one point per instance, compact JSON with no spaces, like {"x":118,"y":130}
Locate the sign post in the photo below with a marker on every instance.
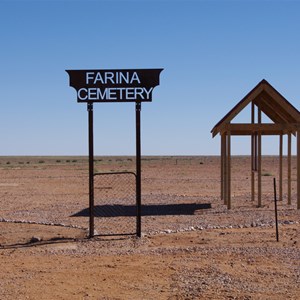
{"x":138,"y":108}
{"x":125,"y":85}
{"x":91,"y":167}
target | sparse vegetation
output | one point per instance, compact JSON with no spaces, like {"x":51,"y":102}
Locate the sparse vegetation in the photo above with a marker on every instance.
{"x":41,"y":161}
{"x":266,"y":174}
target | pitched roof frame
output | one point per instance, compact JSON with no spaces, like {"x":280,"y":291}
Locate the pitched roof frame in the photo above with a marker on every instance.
{"x":271,"y":102}
{"x":286,"y":120}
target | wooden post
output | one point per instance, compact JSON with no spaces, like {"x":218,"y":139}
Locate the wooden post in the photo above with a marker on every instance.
{"x":252,"y":168}
{"x":298,"y":169}
{"x":280,"y":165}
{"x":228,"y":171}
{"x":259,"y":162}
{"x":222,"y":167}
{"x":252,"y":154}
{"x":225,"y":171}
{"x":289,"y":168}
{"x":255,"y":151}
{"x":252,"y":186}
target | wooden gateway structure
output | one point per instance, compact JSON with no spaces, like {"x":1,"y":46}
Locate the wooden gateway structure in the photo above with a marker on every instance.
{"x":286,"y":121}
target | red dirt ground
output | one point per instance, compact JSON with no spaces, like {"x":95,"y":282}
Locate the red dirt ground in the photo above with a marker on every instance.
{"x":192,"y":246}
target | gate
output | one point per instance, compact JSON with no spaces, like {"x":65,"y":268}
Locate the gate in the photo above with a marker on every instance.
{"x":115,"y":207}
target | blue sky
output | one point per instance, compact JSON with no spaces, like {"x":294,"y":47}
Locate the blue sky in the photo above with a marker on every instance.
{"x":213,"y":53}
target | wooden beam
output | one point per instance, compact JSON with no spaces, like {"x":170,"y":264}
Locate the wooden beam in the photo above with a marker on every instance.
{"x":261,"y":127}
{"x":280,"y":165}
{"x":252,"y":113}
{"x":237,"y":108}
{"x":274,"y":111}
{"x":263,"y":133}
{"x":283,"y":109}
{"x":284,"y":104}
{"x":289,"y":162}
{"x":270,"y":112}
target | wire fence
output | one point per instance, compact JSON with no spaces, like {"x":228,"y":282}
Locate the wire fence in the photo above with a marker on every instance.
{"x":115,"y":203}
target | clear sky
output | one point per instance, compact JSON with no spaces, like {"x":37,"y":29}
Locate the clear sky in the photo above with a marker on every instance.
{"x":213,"y":53}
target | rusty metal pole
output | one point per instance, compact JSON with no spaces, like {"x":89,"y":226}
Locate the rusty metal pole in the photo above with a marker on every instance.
{"x":138,"y":170}
{"x":91,"y":168}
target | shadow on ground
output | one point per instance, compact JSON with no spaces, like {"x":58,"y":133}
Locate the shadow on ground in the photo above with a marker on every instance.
{"x":38,"y":243}
{"x":110,"y":211}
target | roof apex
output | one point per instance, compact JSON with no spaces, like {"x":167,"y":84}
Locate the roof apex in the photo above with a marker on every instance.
{"x":272,"y":103}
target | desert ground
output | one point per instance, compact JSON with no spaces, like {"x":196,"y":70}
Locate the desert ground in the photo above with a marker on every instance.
{"x":192,"y":246}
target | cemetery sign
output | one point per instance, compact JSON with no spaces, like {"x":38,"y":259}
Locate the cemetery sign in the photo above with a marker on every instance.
{"x":124,"y":85}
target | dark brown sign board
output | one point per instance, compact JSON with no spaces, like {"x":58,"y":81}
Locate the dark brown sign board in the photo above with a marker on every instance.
{"x":123,"y":85}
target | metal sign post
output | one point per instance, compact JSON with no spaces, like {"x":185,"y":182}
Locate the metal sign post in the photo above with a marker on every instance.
{"x":138,"y":107}
{"x":91,"y":167}
{"x":125,"y":85}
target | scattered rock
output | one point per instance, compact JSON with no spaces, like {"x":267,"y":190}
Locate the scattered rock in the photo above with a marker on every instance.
{"x":35,"y":239}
